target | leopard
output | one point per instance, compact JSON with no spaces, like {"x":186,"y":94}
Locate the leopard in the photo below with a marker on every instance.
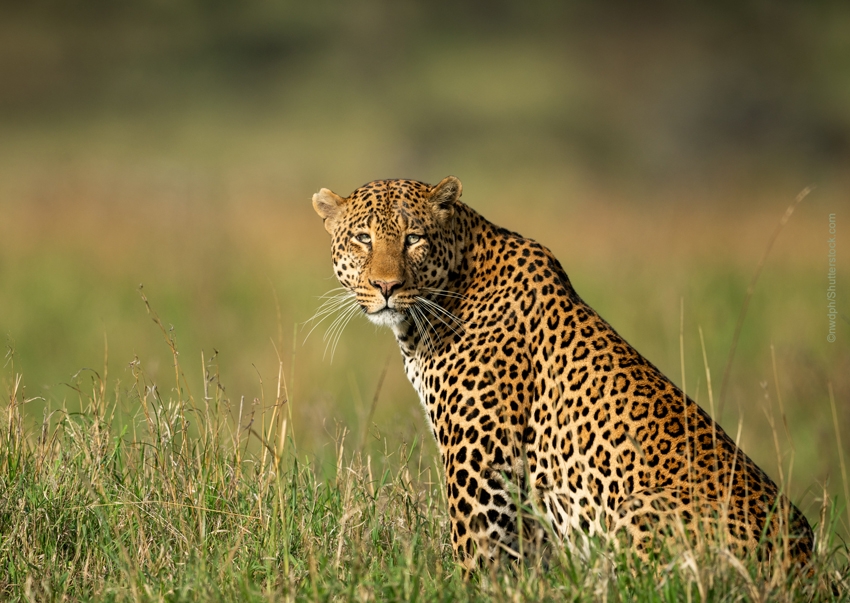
{"x":540,"y":410}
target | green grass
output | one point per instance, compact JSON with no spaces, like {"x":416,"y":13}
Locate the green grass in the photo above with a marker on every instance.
{"x":146,"y":491}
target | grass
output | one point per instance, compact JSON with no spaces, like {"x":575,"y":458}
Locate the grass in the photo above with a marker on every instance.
{"x":159,"y":509}
{"x":141,"y":491}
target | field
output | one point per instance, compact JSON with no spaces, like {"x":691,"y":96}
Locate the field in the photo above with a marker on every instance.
{"x":169,"y":431}
{"x":171,"y":505}
{"x":127,"y":477}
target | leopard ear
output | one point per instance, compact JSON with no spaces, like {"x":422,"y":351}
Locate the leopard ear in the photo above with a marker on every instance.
{"x":328,"y":205}
{"x":444,"y":196}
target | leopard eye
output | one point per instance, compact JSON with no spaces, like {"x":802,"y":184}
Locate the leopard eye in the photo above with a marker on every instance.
{"x":363,"y":238}
{"x":412,"y":239}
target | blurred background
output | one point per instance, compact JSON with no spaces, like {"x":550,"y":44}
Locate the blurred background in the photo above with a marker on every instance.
{"x":653,"y":147}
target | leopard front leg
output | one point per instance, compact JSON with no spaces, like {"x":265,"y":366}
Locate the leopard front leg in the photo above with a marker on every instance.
{"x":485,"y":488}
{"x":478,"y":426}
{"x":482,"y":510}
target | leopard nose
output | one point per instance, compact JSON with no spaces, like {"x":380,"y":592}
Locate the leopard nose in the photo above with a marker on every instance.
{"x":386,"y":287}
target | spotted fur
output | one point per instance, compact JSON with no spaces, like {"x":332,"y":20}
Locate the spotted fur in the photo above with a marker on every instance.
{"x":534,"y":400}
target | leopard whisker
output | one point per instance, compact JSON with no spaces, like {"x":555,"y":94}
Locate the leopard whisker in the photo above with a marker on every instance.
{"x":341,"y":312}
{"x":416,"y":323}
{"x":434,"y":329}
{"x":460,"y":322}
{"x":330,"y":308}
{"x":433,"y":308}
{"x":444,"y":292}
{"x":418,"y":319}
{"x":349,"y":315}
{"x":335,"y":331}
{"x":432,"y":345}
{"x":340,"y":317}
{"x":327,"y":309}
{"x":330,"y":298}
{"x":331,"y":302}
{"x":331,"y":293}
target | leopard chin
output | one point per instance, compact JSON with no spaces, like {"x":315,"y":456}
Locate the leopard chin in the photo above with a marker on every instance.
{"x":387,"y":317}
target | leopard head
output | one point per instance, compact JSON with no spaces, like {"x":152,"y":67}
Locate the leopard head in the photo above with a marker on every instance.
{"x":392,"y":241}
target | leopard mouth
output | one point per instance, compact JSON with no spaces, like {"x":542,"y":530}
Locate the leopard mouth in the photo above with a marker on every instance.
{"x":390,"y":311}
{"x":380,"y":305}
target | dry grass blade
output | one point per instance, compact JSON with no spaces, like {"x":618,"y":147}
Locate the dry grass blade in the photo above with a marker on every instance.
{"x":840,"y":454}
{"x":724,"y":384}
{"x":368,"y":421}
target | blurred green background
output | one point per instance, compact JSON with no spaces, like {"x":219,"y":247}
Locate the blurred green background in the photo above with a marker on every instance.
{"x":652,"y":146}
